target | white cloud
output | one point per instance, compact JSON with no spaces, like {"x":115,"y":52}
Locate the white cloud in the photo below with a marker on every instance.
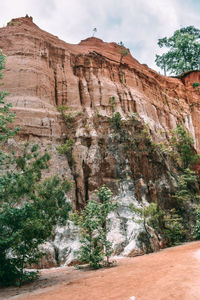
{"x":138,"y":23}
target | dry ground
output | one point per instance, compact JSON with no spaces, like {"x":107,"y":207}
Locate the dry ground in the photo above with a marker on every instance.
{"x":173,"y":273}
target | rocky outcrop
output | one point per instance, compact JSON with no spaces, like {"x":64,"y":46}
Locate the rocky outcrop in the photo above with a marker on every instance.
{"x":43,"y":72}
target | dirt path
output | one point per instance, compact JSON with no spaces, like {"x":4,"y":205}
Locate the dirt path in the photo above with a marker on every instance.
{"x":173,"y":273}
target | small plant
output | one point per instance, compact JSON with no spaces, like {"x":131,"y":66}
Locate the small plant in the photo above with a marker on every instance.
{"x":62,"y":108}
{"x":66,"y":148}
{"x":94,"y":31}
{"x":11,"y":23}
{"x":112,"y":103}
{"x":68,"y":117}
{"x":196,"y":85}
{"x":150,"y":215}
{"x":116,"y":121}
{"x":182,"y":147}
{"x":93,"y":223}
{"x":123,"y":51}
{"x":134,"y":116}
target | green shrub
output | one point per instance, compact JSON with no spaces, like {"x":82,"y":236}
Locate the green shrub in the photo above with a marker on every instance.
{"x":66,"y":149}
{"x":93,"y":224}
{"x":197,"y":225}
{"x":182,"y":147}
{"x":116,"y":121}
{"x":112,"y":103}
{"x":196,"y":85}
{"x":174,"y":230}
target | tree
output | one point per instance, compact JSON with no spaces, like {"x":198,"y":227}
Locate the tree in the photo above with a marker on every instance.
{"x":93,"y":223}
{"x":94,"y":31}
{"x":29,"y":206}
{"x":116,"y":121}
{"x":184,"y":51}
{"x":182,"y":145}
{"x":150,"y":217}
{"x":123,"y":51}
{"x":187,"y":187}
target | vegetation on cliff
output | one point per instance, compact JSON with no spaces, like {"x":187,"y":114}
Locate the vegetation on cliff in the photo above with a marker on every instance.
{"x":174,"y":224}
{"x":93,"y":223}
{"x":29,"y":205}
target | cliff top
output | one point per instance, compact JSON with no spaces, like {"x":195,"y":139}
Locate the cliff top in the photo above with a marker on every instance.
{"x":18,"y":26}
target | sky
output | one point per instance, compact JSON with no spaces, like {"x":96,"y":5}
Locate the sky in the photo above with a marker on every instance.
{"x":137,"y":23}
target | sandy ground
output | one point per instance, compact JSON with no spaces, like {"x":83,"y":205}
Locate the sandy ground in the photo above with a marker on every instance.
{"x":172,"y":273}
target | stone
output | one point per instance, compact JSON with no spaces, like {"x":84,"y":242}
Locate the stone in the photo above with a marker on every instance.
{"x":43,"y":72}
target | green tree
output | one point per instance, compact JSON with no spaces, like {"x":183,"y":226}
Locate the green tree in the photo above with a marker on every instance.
{"x":150,"y":216}
{"x":93,"y":223}
{"x":166,"y":224}
{"x":197,"y":225}
{"x":123,"y":51}
{"x":182,"y":145}
{"x":173,"y":230}
{"x":116,"y":121}
{"x":187,"y":190}
{"x":29,"y":206}
{"x":184,"y":51}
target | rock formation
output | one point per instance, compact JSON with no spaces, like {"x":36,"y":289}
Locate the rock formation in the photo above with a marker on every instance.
{"x":43,"y":73}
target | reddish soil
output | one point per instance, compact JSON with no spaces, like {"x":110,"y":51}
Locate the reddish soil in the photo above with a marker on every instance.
{"x":173,"y":273}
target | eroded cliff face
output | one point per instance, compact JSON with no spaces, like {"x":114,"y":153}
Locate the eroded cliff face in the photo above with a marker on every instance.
{"x":43,"y":72}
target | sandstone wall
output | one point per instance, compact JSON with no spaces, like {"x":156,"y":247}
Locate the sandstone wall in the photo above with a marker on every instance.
{"x":43,"y":72}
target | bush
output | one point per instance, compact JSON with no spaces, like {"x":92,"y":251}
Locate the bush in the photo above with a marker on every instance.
{"x":182,"y":145}
{"x":29,"y":209}
{"x":116,"y":121}
{"x":174,"y":230}
{"x":29,"y":206}
{"x":66,"y":149}
{"x":93,"y":225}
{"x":197,"y":226}
{"x":196,"y":85}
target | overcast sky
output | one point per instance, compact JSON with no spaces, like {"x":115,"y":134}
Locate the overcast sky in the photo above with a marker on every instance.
{"x":137,"y":23}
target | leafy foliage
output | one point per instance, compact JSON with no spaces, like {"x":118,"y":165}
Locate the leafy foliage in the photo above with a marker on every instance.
{"x":66,"y":148}
{"x":197,"y":225}
{"x":28,"y":211}
{"x":29,"y":206}
{"x":168,"y":224}
{"x":182,"y":145}
{"x":123,"y":51}
{"x":150,"y":215}
{"x":196,"y":85}
{"x":174,"y":230}
{"x":116,"y":121}
{"x":112,"y":103}
{"x":187,"y":187}
{"x":93,"y":223}
{"x":184,"y":51}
